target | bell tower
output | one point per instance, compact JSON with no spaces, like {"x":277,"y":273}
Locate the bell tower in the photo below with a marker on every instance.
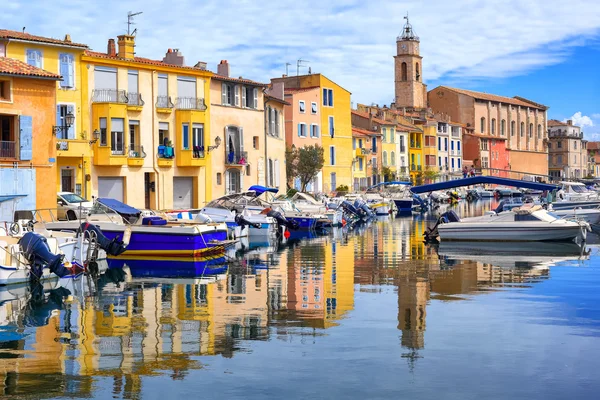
{"x":410,"y":90}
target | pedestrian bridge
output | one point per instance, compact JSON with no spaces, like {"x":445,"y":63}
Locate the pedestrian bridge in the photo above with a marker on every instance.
{"x":479,"y":180}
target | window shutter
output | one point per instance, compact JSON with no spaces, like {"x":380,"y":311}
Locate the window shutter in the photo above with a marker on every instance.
{"x":236,"y":90}
{"x":226,"y":182}
{"x":277,"y":173}
{"x":58,"y":115}
{"x":70,"y":70}
{"x":223,"y":93}
{"x":273,"y":121}
{"x":71,"y":131}
{"x":255,"y":93}
{"x":244,"y":104}
{"x":299,"y":130}
{"x":242,"y":140}
{"x":25,"y":137}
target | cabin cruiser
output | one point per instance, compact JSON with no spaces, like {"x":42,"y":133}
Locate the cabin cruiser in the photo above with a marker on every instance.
{"x":306,"y":203}
{"x":398,"y":192}
{"x":503,"y":191}
{"x":483,"y":193}
{"x":525,"y":224}
{"x":151,"y":235}
{"x":575,"y":191}
{"x":439,"y":196}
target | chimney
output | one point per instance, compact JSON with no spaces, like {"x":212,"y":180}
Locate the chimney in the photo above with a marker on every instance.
{"x":68,"y":38}
{"x":126,"y":46}
{"x":223,"y":68}
{"x":200,"y":65}
{"x":569,"y":122}
{"x":111,"y":49}
{"x":277,"y":90}
{"x":174,"y":57}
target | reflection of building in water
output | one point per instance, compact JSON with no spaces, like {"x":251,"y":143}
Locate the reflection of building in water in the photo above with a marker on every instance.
{"x":413,"y":295}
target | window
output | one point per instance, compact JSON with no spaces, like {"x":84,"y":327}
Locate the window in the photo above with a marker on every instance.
{"x":302,"y":130}
{"x":493,"y":126}
{"x":418,"y":73}
{"x":429,"y":141}
{"x":186,"y":93}
{"x":314,"y":131}
{"x":61,"y":112}
{"x":452,"y":163}
{"x":249,"y":97}
{"x":502,"y":127}
{"x":4,"y":90}
{"x":134,"y":137}
{"x":439,"y":144}
{"x":162,"y":100}
{"x":198,"y":140}
{"x":276,"y":120}
{"x":133,"y":87}
{"x":103,"y":141}
{"x":313,"y":108}
{"x":482,"y":125}
{"x":302,"y":106}
{"x":185,"y":134}
{"x":328,"y":97}
{"x":163,"y":132}
{"x":512,"y":128}
{"x":530,"y":130}
{"x":384,"y":160}
{"x":67,"y":70}
{"x":522,"y":129}
{"x":392,"y":135}
{"x":575,"y":145}
{"x":331,"y":127}
{"x":392,"y":158}
{"x":549,"y":146}
{"x":458,"y":146}
{"x":255,"y":142}
{"x":484,"y":144}
{"x":360,"y":163}
{"x":228,"y":93}
{"x":539,"y":131}
{"x":219,"y":178}
{"x":440,"y":161}
{"x":105,"y":84}
{"x":404,"y":72}
{"x":117,"y":136}
{"x":354,"y":143}
{"x":34,"y":58}
{"x":332,"y":155}
{"x":559,"y":159}
{"x":445,"y":144}
{"x":332,"y":177}
{"x":374,"y":145}
{"x":559,"y":145}
{"x":384,"y":132}
{"x":2,"y":50}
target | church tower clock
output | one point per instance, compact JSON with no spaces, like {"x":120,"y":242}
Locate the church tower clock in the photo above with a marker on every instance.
{"x":410,"y":90}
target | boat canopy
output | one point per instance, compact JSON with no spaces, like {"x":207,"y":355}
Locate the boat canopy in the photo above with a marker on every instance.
{"x":259,"y":189}
{"x":118,"y":207}
{"x":389,"y":183}
{"x":477,"y":180}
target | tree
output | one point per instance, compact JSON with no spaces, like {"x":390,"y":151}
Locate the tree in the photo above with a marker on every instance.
{"x":309,"y":163}
{"x":291,"y":159}
{"x":388,"y":175}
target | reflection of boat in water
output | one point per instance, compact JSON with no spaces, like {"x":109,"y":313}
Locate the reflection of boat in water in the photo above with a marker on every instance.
{"x":513,"y":254}
{"x":171,"y":268}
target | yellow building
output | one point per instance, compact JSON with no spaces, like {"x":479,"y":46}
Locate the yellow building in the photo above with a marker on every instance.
{"x":151,"y":125}
{"x":430,"y":154}
{"x":415,"y":154}
{"x":336,"y":127}
{"x":61,"y":57}
{"x":389,"y":149}
{"x":361,"y":146}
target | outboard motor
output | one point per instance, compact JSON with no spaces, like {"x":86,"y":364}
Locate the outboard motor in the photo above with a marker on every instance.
{"x":281,"y":220}
{"x":431,"y":234}
{"x":419,"y":201}
{"x":348,"y":207}
{"x":35,"y":248}
{"x":114,"y":247}
{"x":242,"y":222}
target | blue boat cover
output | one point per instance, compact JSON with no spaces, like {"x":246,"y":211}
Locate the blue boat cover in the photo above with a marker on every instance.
{"x":389,"y":183}
{"x":261,"y":189}
{"x":118,"y":207}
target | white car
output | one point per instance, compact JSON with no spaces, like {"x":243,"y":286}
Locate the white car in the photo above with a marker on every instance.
{"x":72,"y":206}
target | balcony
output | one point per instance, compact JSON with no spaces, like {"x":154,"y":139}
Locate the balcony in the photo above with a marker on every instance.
{"x":109,"y":96}
{"x":413,"y":167}
{"x":236,"y":158}
{"x":364,"y":151}
{"x":455,"y":133}
{"x":165,"y":156}
{"x":190,"y":103}
{"x":415,"y":144}
{"x":136,"y":156}
{"x":73,"y":148}
{"x":108,"y":156}
{"x":8,"y":149}
{"x":194,"y":157}
{"x":135,"y":102}
{"x":164,"y":104}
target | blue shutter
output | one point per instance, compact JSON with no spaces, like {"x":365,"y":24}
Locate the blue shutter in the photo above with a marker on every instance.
{"x":186,"y":136}
{"x":70,"y":70}
{"x":71,"y":131}
{"x":25,"y":137}
{"x":58,"y":115}
{"x":299,"y":130}
{"x":317,"y":128}
{"x":457,"y":145}
{"x":64,"y":71}
{"x":452,"y":145}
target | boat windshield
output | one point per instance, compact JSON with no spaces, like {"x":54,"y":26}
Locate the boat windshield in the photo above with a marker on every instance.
{"x":72,"y":198}
{"x":578,"y":188}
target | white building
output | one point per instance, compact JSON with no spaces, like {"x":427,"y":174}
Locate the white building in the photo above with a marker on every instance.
{"x":455,"y":150}
{"x":402,"y":135}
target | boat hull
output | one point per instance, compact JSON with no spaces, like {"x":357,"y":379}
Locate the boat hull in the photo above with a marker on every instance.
{"x":510,"y":233}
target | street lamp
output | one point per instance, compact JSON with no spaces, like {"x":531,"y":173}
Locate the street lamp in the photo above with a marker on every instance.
{"x":69,"y":119}
{"x":95,"y":136}
{"x":217,"y":144}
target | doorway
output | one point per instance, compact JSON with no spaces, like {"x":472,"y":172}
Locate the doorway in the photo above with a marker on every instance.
{"x":67,"y":180}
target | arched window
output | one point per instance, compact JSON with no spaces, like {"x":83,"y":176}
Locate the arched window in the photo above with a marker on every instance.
{"x":393,"y":158}
{"x":539,"y":131}
{"x":512,"y":128}
{"x":493,"y":126}
{"x":503,"y":127}
{"x":530,"y":130}
{"x":418,"y":75}
{"x":404,"y":72}
{"x":522,"y":129}
{"x":482,"y":125}
{"x":385,"y":158}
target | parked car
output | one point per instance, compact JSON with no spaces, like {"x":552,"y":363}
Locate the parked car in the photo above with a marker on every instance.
{"x":72,"y":206}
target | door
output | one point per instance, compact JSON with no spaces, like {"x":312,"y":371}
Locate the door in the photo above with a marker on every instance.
{"x":66,"y":180}
{"x":112,"y":188}
{"x":147,"y":190}
{"x":233,"y":181}
{"x":182,"y":192}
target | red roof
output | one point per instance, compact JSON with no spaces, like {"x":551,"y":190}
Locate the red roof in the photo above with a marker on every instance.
{"x":10,"y":66}
{"x":238,"y":80}
{"x":363,"y":132}
{"x":378,"y":120}
{"x":300,"y":90}
{"x":277,"y":99}
{"x":555,"y":122}
{"x":6,"y":34}
{"x":517,"y":101}
{"x":593,"y":146}
{"x":141,"y":60}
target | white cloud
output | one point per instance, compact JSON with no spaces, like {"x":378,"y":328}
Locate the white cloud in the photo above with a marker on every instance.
{"x":580,"y":120}
{"x":350,"y":41}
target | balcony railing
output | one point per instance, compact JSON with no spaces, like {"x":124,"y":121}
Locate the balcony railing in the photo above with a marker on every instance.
{"x":136,"y":151}
{"x":190,"y":103}
{"x":164,"y":102}
{"x":365,"y":151}
{"x":236,"y":158}
{"x":8,"y":149}
{"x":109,"y":96}
{"x":135,"y":99}
{"x":198,"y":152}
{"x":117,"y":151}
{"x":165,"y":152}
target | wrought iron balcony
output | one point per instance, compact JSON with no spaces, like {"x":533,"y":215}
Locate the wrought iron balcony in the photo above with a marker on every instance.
{"x":135,"y":99}
{"x":365,"y":151}
{"x":136,"y":151}
{"x":198,"y":152}
{"x":109,"y":96}
{"x":190,"y":103}
{"x":164,"y":102}
{"x":236,"y":158}
{"x":8,"y":149}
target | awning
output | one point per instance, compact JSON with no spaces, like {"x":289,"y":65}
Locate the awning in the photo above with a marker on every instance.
{"x":9,"y":197}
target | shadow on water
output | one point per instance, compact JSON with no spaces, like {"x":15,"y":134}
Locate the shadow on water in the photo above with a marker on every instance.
{"x":172,"y":320}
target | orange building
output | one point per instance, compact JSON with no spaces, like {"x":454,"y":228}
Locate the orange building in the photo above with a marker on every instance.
{"x":27,"y":143}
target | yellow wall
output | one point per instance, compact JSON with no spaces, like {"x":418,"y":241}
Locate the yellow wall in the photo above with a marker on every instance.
{"x":388,"y":146}
{"x":415,"y":154}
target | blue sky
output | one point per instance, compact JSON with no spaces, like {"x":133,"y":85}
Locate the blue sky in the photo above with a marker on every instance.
{"x":545,"y":50}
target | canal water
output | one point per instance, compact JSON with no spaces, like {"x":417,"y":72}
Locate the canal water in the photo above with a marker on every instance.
{"x":373,"y":313}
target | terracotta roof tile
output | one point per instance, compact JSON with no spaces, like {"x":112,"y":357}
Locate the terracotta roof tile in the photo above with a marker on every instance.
{"x":7,"y":34}
{"x":301,"y":90}
{"x":593,"y":146}
{"x":238,"y":80}
{"x":555,"y":122}
{"x":364,"y":132}
{"x":140,"y":60}
{"x":375,"y":119}
{"x":10,"y":66}
{"x":277,"y":99}
{"x":500,"y":99}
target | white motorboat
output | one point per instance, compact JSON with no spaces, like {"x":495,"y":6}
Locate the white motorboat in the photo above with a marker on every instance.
{"x":483,"y":193}
{"x":525,"y":224}
{"x":575,"y":191}
{"x":589,"y":215}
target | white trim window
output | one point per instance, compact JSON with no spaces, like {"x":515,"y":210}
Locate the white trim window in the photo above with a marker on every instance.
{"x":327,"y":97}
{"x":302,"y":129}
{"x":34,"y":58}
{"x":66,"y":65}
{"x":117,"y":136}
{"x":302,"y":106}
{"x":314,"y":131}
{"x":313,"y":107}
{"x":227,"y":94}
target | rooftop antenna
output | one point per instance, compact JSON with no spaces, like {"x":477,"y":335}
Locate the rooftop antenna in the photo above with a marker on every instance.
{"x":287,"y":64}
{"x":300,"y":63}
{"x":130,"y":22}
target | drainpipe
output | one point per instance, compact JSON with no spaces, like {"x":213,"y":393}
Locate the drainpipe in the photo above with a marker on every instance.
{"x":266,"y":126}
{"x":154,"y":162}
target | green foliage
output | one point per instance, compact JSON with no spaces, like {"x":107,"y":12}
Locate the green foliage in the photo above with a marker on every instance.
{"x":305,"y":163}
{"x":388,"y":175}
{"x":342,"y":188}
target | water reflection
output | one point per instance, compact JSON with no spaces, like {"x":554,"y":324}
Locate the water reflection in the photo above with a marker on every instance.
{"x":129,"y":326}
